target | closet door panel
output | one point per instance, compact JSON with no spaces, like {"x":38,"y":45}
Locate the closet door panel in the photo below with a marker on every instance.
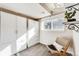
{"x":8,"y":34}
{"x":8,"y":27}
{"x":21,"y":33}
{"x":33,"y":32}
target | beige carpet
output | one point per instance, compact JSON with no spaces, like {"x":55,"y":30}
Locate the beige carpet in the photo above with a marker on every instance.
{"x":36,"y":50}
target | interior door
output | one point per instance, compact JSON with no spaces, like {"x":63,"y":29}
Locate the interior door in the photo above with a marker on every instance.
{"x":21,"y":33}
{"x":33,"y":32}
{"x":8,"y":34}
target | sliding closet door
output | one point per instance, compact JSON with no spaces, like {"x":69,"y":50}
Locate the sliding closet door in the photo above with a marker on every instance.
{"x":8,"y":34}
{"x":8,"y":27}
{"x":33,"y":32}
{"x":21,"y":23}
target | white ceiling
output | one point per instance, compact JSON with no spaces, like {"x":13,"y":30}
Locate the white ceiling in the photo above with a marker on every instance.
{"x":33,"y":9}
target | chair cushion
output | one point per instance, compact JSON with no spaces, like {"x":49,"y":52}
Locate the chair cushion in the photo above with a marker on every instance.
{"x":59,"y":47}
{"x":52,"y":47}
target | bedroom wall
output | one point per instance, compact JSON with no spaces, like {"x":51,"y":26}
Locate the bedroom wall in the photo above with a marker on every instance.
{"x":48,"y":37}
{"x":76,"y":42}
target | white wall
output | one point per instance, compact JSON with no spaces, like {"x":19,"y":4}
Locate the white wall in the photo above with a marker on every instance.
{"x":76,"y":42}
{"x":48,"y":37}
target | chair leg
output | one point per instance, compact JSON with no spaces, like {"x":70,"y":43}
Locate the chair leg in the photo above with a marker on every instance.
{"x":54,"y":53}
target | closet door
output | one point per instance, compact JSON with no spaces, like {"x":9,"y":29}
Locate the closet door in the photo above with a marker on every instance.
{"x":33,"y":32}
{"x":21,"y":33}
{"x":8,"y":34}
{"x":8,"y":27}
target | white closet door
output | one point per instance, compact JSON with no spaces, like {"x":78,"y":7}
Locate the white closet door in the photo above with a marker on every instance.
{"x":8,"y":27}
{"x":33,"y":32}
{"x":21,"y":33}
{"x":8,"y":34}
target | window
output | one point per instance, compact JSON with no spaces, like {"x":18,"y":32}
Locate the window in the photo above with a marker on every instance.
{"x":54,"y":25}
